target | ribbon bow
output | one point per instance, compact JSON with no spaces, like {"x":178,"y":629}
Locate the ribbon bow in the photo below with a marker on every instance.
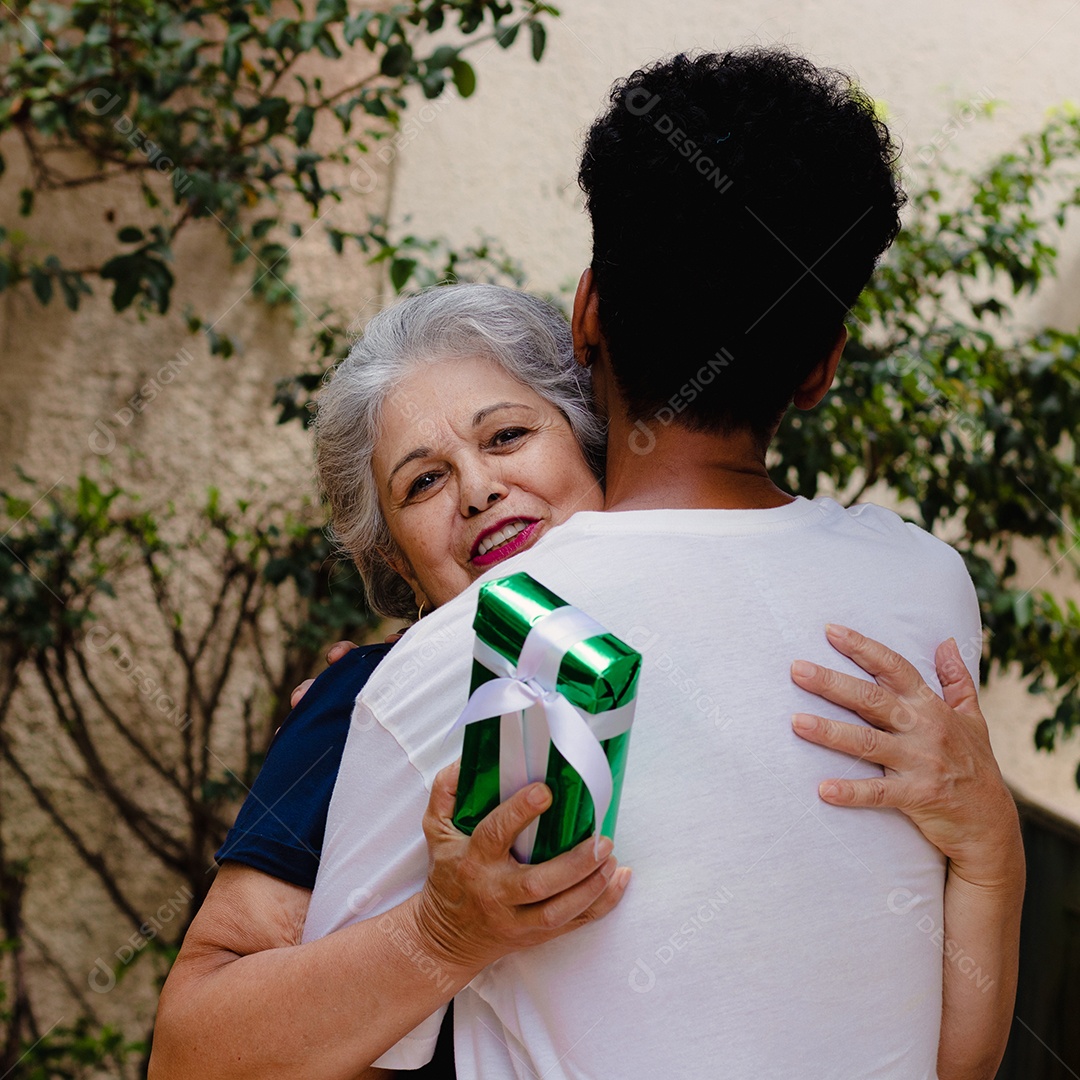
{"x":534,"y":713}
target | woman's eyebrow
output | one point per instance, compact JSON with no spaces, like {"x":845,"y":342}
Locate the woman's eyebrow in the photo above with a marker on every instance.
{"x":412,"y":455}
{"x":484,"y":413}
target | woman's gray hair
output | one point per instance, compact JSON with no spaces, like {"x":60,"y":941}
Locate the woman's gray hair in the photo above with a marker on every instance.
{"x":527,"y":337}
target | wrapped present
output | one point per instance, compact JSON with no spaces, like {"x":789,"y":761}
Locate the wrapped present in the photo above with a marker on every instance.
{"x":552,"y":699}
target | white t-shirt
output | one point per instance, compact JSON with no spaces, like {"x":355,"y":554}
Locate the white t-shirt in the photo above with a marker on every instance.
{"x":765,"y":934}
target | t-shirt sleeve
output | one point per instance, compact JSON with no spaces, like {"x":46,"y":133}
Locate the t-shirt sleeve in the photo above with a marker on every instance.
{"x":969,"y":638}
{"x":956,"y":611}
{"x":280,"y":827}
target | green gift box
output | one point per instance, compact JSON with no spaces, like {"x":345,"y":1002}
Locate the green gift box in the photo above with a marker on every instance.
{"x":552,"y":698}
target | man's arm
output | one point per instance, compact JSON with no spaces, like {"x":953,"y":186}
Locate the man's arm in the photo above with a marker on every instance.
{"x":940,"y":771}
{"x":245,"y":999}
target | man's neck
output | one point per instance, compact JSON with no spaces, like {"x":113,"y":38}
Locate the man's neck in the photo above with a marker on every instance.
{"x":666,"y":466}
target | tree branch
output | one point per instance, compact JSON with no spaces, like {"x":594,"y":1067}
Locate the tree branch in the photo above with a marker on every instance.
{"x":159,"y":843}
{"x":92,"y":860}
{"x":124,"y":730}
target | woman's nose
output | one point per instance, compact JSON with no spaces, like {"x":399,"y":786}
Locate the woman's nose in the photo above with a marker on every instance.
{"x":480,"y":492}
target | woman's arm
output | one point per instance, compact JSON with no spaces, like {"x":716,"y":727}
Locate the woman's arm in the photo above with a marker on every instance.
{"x":245,"y":999}
{"x":940,"y":771}
{"x":246,"y":914}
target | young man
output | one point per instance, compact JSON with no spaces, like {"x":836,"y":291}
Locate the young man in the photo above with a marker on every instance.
{"x":739,"y":203}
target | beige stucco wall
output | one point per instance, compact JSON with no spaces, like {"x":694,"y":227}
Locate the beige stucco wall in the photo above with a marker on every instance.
{"x":506,"y":160}
{"x":66,"y":381}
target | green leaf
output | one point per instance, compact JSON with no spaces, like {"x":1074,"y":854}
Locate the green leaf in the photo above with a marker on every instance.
{"x":539,"y":39}
{"x":1023,"y":607}
{"x":42,"y":284}
{"x":433,"y":85}
{"x":279,"y":32}
{"x":328,"y":46}
{"x":464,"y":77}
{"x":506,"y":35}
{"x":261,"y":227}
{"x":332,"y":10}
{"x":355,"y":26}
{"x":139,"y":274}
{"x":400,"y":272}
{"x":230,"y":59}
{"x":388,"y":26}
{"x":375,"y":106}
{"x":69,"y":286}
{"x":396,"y":60}
{"x":1046,"y":735}
{"x":130,"y":235}
{"x":302,"y":125}
{"x":275,"y":110}
{"x":442,"y":57}
{"x":305,"y":38}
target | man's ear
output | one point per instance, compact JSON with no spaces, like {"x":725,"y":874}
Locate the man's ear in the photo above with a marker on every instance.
{"x":816,"y":385}
{"x":585,"y":320}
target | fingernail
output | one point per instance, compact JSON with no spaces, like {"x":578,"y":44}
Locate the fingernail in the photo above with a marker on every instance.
{"x":836,"y":630}
{"x":603,"y":848}
{"x":623,"y":876}
{"x":803,"y":721}
{"x":803,"y":668}
{"x":538,"y":796}
{"x":829,"y":790}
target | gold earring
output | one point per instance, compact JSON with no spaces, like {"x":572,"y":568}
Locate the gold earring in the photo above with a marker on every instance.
{"x":420,"y":610}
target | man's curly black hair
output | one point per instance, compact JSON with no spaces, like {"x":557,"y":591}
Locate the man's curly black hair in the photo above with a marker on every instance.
{"x":739,"y":203}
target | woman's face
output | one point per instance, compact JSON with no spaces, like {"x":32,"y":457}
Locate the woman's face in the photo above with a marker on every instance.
{"x":472,"y":467}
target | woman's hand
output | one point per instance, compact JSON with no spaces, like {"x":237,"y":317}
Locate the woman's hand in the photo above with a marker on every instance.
{"x":248,"y":1000}
{"x":480,"y":903}
{"x":941,"y":772}
{"x":939,"y":767}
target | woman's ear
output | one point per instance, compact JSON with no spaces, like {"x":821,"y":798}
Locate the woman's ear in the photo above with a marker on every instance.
{"x":585,"y":320}
{"x":816,"y":385}
{"x":397,"y":562}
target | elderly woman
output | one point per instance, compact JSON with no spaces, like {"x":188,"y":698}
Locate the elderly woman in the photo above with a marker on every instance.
{"x":456,"y":433}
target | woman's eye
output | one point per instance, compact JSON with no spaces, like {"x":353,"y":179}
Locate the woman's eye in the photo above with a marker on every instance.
{"x":508,"y":435}
{"x":422,"y":483}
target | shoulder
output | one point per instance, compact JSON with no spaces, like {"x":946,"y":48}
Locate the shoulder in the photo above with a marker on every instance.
{"x":279,"y":829}
{"x":904,"y":553}
{"x":333,"y":693}
{"x":427,"y":645}
{"x":873,"y":522}
{"x":356,"y":664}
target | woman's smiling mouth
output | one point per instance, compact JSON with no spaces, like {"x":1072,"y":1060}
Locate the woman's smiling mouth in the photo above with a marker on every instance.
{"x":502,"y":540}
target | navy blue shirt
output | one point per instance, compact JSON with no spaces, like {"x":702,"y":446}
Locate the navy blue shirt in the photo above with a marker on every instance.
{"x":281,"y":825}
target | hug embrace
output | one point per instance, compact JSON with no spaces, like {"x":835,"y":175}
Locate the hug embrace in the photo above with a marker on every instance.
{"x":780,"y":853}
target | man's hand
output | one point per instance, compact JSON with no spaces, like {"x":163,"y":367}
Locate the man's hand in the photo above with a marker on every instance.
{"x":939,"y":766}
{"x":480,"y":903}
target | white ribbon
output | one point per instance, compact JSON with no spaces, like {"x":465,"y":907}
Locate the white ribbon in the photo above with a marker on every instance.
{"x":534,"y":713}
